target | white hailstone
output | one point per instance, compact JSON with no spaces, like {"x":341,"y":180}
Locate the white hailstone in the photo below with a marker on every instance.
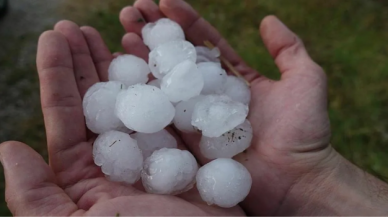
{"x":228,"y":144}
{"x":183,"y":113}
{"x":119,"y":156}
{"x":217,"y":114}
{"x":162,"y":31}
{"x":183,"y":82}
{"x":224,"y":182}
{"x":150,"y":142}
{"x":129,"y":70}
{"x":155,"y":83}
{"x":169,"y":171}
{"x":166,"y":56}
{"x":144,"y":108}
{"x":237,"y":89}
{"x":99,"y":105}
{"x":214,"y":77}
{"x":205,"y":54}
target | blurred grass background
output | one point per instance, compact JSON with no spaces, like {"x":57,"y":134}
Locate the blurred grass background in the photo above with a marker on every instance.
{"x":346,"y":37}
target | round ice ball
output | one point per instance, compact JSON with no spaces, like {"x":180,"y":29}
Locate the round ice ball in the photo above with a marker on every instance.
{"x":99,"y":105}
{"x":150,"y":142}
{"x":129,"y":70}
{"x":169,"y":171}
{"x":228,"y":144}
{"x":119,"y":156}
{"x":162,"y":31}
{"x":155,"y":83}
{"x":214,"y":77}
{"x":183,"y":82}
{"x":224,"y":182}
{"x":184,"y":112}
{"x":144,"y":108}
{"x":166,"y":56}
{"x":205,"y":54}
{"x":215,"y":115}
{"x":237,"y":89}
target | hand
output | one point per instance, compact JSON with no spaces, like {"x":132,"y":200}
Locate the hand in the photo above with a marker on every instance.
{"x":70,"y":59}
{"x":290,"y":149}
{"x":290,"y":154}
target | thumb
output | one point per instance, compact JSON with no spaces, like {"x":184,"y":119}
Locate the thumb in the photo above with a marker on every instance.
{"x":286,"y":48}
{"x":30,"y":183}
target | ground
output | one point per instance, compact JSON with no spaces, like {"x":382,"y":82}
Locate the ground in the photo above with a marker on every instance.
{"x":347,"y":38}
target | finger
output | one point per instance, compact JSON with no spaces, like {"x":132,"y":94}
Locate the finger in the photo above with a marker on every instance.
{"x":61,"y":101}
{"x":149,"y":10}
{"x":286,"y":47}
{"x":99,"y":52}
{"x":30,"y":184}
{"x":84,"y":70}
{"x":133,"y":44}
{"x":198,"y":30}
{"x":132,"y":19}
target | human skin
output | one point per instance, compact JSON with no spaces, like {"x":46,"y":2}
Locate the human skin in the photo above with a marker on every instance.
{"x":295,"y":171}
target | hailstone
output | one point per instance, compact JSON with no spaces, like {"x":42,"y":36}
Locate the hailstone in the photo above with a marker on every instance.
{"x":129,"y":70}
{"x":155,"y":83}
{"x":217,"y":114}
{"x":166,"y":56}
{"x":224,"y":182}
{"x":144,"y":108}
{"x":214,"y":77}
{"x":150,"y":142}
{"x":119,"y":156}
{"x":228,"y":144}
{"x":183,"y":82}
{"x":99,"y":105}
{"x":169,"y":171}
{"x":237,"y":89}
{"x":162,"y":31}
{"x":205,"y":54}
{"x":183,"y":113}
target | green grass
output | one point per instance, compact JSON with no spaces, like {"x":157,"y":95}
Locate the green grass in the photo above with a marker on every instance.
{"x":347,"y":38}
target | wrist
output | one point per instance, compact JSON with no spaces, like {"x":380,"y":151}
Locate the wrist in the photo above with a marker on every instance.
{"x":336,"y":187}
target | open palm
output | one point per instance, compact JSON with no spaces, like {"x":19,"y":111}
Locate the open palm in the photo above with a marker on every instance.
{"x":289,"y":118}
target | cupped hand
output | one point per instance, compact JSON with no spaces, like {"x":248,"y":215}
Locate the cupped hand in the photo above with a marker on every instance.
{"x":290,"y":149}
{"x":70,"y":59}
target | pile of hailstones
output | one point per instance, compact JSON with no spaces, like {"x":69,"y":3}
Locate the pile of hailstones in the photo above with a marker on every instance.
{"x":192,"y":92}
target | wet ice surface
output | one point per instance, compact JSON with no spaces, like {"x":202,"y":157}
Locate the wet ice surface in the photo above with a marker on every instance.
{"x":144,"y":108}
{"x":183,"y":114}
{"x":204,"y":54}
{"x":119,"y":156}
{"x":162,"y":31}
{"x":224,"y":182}
{"x":129,"y":70}
{"x":99,"y":107}
{"x":150,"y":142}
{"x":228,"y":144}
{"x":214,"y":78}
{"x":166,"y":56}
{"x":183,"y":82}
{"x":217,"y":114}
{"x":155,"y":83}
{"x":237,"y":89}
{"x":169,"y":171}
{"x":192,"y":91}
